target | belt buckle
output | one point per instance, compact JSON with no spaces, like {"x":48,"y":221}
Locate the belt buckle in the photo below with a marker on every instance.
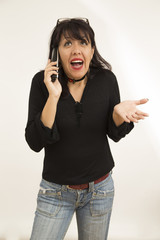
{"x":68,"y":186}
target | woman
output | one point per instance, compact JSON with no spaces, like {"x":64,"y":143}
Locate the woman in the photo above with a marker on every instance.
{"x":71,"y":118}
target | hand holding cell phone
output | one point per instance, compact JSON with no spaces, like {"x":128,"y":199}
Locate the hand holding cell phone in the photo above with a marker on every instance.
{"x":51,"y":78}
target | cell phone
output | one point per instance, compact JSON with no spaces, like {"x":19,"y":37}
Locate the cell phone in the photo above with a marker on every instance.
{"x":54,"y":58}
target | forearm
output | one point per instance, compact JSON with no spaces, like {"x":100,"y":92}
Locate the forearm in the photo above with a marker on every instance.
{"x":49,"y":111}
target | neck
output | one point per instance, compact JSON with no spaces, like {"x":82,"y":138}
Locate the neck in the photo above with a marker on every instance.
{"x":76,"y":80}
{"x":78,"y":84}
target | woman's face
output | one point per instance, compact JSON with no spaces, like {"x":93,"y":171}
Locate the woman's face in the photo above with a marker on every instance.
{"x":75,"y":56}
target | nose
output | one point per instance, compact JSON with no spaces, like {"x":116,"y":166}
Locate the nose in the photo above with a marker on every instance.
{"x":76,"y":49}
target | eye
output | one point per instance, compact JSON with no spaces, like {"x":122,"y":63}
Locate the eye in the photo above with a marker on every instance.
{"x":68,"y":43}
{"x":84,"y":42}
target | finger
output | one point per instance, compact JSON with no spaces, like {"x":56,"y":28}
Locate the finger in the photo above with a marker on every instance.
{"x":131,"y":118}
{"x":144,"y":115}
{"x":141,"y":117}
{"x":125,"y":118}
{"x":138,"y":112}
{"x":49,"y":74}
{"x":49,"y":60}
{"x":135,"y":115}
{"x":138,"y":116}
{"x":49,"y":63}
{"x":49,"y":68}
{"x":52,"y":72}
{"x":142,"y":101}
{"x":54,"y":63}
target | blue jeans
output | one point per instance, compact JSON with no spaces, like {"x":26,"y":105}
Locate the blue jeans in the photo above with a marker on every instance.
{"x":56,"y":205}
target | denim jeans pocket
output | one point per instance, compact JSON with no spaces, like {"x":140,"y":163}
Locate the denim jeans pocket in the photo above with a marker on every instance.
{"x":102,"y":198}
{"x":49,"y":201}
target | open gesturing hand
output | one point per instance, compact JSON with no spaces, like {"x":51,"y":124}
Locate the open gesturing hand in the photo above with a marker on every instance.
{"x":127,"y":111}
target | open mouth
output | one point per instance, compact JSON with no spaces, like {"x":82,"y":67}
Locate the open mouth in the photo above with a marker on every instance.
{"x":77,"y":64}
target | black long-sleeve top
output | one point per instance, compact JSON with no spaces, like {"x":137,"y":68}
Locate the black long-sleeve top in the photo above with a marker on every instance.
{"x":76,"y":148}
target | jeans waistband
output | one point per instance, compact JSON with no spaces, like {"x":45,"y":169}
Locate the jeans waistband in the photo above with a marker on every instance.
{"x":87,"y":185}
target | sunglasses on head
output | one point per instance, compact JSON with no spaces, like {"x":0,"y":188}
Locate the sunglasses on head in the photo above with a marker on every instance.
{"x":72,"y":19}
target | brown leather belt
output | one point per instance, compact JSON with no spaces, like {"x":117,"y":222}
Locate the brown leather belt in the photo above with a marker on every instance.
{"x":86,"y":185}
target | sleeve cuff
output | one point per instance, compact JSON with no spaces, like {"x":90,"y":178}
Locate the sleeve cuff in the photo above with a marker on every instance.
{"x":124,"y":128}
{"x":116,"y":133}
{"x":50,"y":135}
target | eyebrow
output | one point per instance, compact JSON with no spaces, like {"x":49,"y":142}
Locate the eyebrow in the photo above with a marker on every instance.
{"x":82,"y":38}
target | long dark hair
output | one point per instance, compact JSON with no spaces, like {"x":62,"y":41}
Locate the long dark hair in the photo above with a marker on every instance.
{"x":74,"y":28}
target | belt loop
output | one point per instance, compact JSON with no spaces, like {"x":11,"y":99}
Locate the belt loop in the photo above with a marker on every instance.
{"x":64,"y":188}
{"x":91,"y":187}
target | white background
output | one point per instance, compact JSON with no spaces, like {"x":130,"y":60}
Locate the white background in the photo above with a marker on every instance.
{"x":128,"y":36}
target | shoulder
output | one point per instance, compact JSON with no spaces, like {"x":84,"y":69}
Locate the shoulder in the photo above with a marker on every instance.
{"x":38,"y":82}
{"x":38,"y":77}
{"x":105,"y":77}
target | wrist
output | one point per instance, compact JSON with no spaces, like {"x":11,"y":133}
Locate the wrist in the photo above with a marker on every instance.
{"x":118,"y":120}
{"x":53,"y":97}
